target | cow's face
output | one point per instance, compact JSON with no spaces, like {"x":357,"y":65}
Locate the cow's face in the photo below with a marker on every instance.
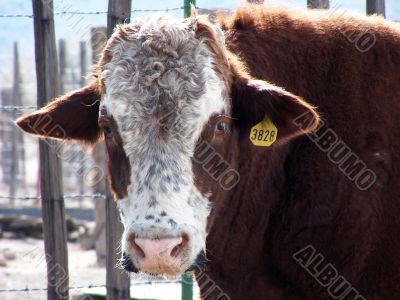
{"x":172,"y":101}
{"x":161,"y":88}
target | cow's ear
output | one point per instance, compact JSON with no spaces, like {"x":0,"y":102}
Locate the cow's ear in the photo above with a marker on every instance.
{"x":73,"y":116}
{"x":253,"y":100}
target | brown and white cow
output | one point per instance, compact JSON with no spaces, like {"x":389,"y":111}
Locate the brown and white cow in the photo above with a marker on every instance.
{"x":177,"y":101}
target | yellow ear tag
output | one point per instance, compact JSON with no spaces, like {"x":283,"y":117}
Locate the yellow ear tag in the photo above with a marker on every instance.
{"x":264,"y":133}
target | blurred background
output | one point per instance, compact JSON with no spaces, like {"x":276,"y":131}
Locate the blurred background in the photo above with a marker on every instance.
{"x":80,"y":36}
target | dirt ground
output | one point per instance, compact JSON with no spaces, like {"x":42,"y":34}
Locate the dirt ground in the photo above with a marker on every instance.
{"x":22,"y":265}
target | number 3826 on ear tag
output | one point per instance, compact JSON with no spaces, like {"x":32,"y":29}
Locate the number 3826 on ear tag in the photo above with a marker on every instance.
{"x":264,"y":133}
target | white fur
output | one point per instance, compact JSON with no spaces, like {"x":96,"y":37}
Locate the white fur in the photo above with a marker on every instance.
{"x":134,"y":82}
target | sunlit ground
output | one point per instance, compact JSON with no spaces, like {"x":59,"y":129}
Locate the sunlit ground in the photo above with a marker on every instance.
{"x":26,"y":268}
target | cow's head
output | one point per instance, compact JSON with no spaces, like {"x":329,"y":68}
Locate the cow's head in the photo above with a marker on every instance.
{"x":171,"y":103}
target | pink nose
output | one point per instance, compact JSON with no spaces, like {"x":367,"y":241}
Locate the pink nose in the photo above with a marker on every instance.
{"x":158,"y":255}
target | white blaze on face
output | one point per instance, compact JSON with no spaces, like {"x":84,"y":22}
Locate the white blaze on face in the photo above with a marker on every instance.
{"x":161,"y":88}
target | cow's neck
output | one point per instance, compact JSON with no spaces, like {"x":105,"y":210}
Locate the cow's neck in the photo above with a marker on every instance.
{"x":235,"y":244}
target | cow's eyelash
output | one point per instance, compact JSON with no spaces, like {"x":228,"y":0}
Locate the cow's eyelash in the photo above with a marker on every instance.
{"x":229,"y":117}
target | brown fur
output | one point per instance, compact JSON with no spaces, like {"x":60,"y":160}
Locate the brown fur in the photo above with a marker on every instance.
{"x":291,"y":195}
{"x":72,"y":116}
{"x":223,"y":67}
{"x":118,"y":166}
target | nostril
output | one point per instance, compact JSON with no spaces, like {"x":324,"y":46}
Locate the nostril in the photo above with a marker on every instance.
{"x":161,"y":254}
{"x":137,"y":251}
{"x":178,"y":249}
{"x":157,"y":248}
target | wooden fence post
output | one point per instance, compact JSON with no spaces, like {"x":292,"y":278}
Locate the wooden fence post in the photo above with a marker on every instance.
{"x":62,"y":63}
{"x":118,"y":282}
{"x":256,"y":1}
{"x":3,"y":135}
{"x":376,"y":7}
{"x":14,"y":155}
{"x":15,"y":138}
{"x":98,"y":39}
{"x":119,"y":11}
{"x":82,"y":83}
{"x":18,"y":135}
{"x":6,"y":145}
{"x":54,"y":227}
{"x":83,"y":63}
{"x":324,"y":4}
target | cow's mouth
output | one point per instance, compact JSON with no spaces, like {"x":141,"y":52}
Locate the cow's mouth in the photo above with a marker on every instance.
{"x":197,"y":265}
{"x":127,"y":264}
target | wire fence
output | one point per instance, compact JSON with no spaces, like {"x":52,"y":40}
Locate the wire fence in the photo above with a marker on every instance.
{"x":13,"y":108}
{"x":59,"y":13}
{"x":17,"y":107}
{"x":91,"y":286}
{"x":28,"y":290}
{"x":76,"y":196}
{"x":21,"y":108}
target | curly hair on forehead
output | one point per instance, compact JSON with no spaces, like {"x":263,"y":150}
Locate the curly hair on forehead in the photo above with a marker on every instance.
{"x":162,"y":34}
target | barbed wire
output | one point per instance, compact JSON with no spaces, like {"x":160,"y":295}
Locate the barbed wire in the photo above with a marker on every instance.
{"x":58,"y":13}
{"x":73,"y":196}
{"x":28,"y":290}
{"x":17,"y":107}
{"x":90,"y":286}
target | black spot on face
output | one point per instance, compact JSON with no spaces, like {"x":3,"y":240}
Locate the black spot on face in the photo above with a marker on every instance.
{"x":163,"y":187}
{"x":152,"y":170}
{"x":149,"y":217}
{"x":152,"y":202}
{"x":158,"y":220}
{"x":139,"y":191}
{"x":177,"y":179}
{"x":172,"y":223}
{"x":163,"y":214}
{"x":138,"y":180}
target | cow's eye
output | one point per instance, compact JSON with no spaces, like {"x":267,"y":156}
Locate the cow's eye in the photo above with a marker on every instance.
{"x":107,"y":131}
{"x":222,"y":127}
